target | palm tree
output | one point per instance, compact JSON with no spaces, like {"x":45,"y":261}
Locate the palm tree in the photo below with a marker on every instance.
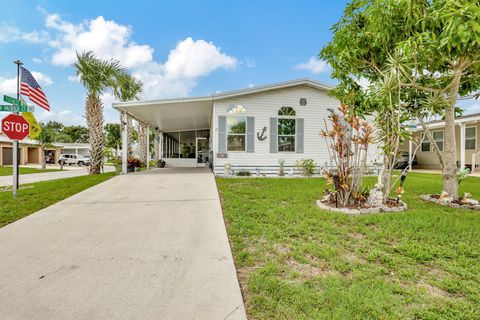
{"x":99,"y":76}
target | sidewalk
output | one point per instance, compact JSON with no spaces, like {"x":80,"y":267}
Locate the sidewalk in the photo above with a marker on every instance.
{"x":36,"y":177}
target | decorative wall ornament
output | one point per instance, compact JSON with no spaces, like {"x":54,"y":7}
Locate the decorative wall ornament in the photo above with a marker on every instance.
{"x":303,"y":102}
{"x":262,"y":136}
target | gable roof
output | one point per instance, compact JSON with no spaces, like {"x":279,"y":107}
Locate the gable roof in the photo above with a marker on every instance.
{"x":229,"y":94}
{"x":274,"y":86}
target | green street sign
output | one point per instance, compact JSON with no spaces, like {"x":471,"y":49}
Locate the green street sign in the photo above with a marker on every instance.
{"x":15,"y":108}
{"x":13,"y":100}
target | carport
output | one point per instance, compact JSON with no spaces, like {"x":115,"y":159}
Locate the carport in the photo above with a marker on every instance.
{"x":181,"y":128}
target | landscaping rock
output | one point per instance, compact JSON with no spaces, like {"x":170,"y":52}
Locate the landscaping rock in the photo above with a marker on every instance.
{"x":470,"y":204}
{"x":356,"y":211}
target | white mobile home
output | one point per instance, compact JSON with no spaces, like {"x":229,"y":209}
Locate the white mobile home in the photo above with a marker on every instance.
{"x":249,"y":129}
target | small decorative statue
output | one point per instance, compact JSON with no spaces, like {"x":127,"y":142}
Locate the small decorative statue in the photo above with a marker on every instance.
{"x":257,"y":171}
{"x":291,"y":173}
{"x":227,"y":169}
{"x":375,"y":197}
{"x":281,"y":171}
{"x":444,"y":196}
{"x":327,"y":196}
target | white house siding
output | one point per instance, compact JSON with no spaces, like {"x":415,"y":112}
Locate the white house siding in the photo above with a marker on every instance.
{"x":265,"y":105}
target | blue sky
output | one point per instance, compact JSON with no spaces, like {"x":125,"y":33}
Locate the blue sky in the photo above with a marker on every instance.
{"x":177,"y":48}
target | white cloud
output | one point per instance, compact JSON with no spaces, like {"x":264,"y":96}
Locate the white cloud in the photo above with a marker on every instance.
{"x":9,"y":85}
{"x":65,"y":116}
{"x":104,"y":37}
{"x":313,"y":65}
{"x":177,"y":76}
{"x":37,"y":60}
{"x":42,"y":79}
{"x":9,"y":33}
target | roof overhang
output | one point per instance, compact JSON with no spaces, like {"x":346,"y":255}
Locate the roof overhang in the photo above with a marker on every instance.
{"x":195,"y":113}
{"x":466,"y":120}
{"x":171,"y":115}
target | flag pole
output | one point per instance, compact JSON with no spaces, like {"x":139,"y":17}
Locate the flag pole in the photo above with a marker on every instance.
{"x":15,"y":142}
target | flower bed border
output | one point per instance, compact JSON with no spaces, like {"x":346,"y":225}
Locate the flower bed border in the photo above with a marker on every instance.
{"x":362,"y":211}
{"x":429,"y":198}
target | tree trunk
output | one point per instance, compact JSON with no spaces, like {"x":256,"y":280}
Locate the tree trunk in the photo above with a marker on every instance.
{"x":129,"y":138}
{"x":44,"y":163}
{"x":450,"y":184}
{"x":96,"y":138}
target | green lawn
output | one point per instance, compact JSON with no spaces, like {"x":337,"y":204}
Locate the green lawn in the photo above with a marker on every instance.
{"x":7,"y":170}
{"x":296,"y":261}
{"x":35,"y":196}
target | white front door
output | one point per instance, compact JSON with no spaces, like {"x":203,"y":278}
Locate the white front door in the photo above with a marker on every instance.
{"x":202,"y":152}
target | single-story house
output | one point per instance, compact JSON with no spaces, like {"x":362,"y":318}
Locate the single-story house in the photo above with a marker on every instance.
{"x":250,"y":129}
{"x":30,"y":152}
{"x":82,"y":149}
{"x":467,"y":136}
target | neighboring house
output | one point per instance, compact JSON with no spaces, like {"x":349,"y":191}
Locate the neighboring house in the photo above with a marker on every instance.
{"x":30,"y":152}
{"x":75,"y":148}
{"x":467,"y":135}
{"x":249,"y":129}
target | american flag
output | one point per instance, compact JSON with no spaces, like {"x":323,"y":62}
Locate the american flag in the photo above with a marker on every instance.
{"x":30,"y":88}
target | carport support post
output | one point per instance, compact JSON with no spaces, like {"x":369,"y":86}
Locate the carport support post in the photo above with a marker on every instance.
{"x":124,"y":141}
{"x":462,"y":146}
{"x":148,"y":147}
{"x":410,"y":155}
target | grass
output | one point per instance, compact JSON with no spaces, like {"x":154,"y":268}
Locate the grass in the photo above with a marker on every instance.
{"x":7,"y":170}
{"x":295,"y":261}
{"x":35,"y":196}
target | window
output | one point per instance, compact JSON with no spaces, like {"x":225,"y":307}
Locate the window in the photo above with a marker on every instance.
{"x":286,"y":111}
{"x":236,"y":129}
{"x":438,"y":137}
{"x":425,"y":146}
{"x":471,"y":138}
{"x":286,"y":129}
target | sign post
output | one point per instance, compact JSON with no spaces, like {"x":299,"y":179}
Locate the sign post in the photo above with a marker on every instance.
{"x":15,"y":142}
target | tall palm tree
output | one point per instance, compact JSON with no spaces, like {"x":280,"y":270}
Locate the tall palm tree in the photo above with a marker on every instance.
{"x":99,"y":76}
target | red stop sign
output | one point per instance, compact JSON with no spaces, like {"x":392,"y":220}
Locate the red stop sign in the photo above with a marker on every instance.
{"x":15,"y":127}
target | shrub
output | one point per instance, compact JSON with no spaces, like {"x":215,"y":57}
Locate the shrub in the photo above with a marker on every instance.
{"x":160,"y":163}
{"x":243,"y":173}
{"x":347,"y":140}
{"x":307,"y":166}
{"x":133,"y":163}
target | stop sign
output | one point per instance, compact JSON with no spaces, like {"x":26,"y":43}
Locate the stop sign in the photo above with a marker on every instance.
{"x":15,"y":127}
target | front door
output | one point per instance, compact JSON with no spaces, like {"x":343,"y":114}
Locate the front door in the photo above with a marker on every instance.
{"x":202,"y":152}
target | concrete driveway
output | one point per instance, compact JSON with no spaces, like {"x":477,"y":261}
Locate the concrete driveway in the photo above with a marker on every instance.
{"x":149,"y":245}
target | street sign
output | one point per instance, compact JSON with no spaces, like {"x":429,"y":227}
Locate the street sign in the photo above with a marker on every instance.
{"x":35,"y":128}
{"x":15,"y":108}
{"x":13,"y":101}
{"x":15,"y":127}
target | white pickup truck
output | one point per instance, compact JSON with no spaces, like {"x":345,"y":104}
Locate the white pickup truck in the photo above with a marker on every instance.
{"x":74,"y":159}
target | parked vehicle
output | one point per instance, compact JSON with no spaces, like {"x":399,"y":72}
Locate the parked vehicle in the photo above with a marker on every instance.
{"x":75,"y":159}
{"x":402,"y":161}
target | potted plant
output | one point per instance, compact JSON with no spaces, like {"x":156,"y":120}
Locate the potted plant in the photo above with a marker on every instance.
{"x":161,"y":163}
{"x":132,"y":164}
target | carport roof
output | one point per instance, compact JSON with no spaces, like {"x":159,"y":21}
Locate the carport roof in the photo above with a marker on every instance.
{"x":195,"y":112}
